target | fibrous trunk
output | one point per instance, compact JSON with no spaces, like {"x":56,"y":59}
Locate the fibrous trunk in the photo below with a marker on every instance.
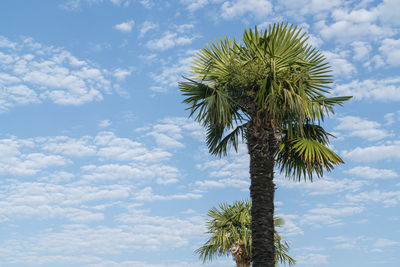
{"x":261,"y":144}
{"x":242,"y":263}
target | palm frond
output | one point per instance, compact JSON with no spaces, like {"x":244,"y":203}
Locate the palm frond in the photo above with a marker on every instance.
{"x":281,"y":251}
{"x":229,"y":225}
{"x":306,"y":154}
{"x":218,"y":144}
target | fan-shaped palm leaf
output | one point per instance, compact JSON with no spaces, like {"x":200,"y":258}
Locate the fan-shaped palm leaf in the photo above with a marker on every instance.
{"x":229,"y":226}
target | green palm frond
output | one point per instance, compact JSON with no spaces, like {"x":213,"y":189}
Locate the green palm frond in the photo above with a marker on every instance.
{"x":306,"y":153}
{"x":273,"y":73}
{"x":229,"y":224}
{"x":218,"y":144}
{"x":213,"y":105}
{"x":281,"y":250}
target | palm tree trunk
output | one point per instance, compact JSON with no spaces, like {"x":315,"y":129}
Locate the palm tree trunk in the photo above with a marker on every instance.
{"x":261,"y":144}
{"x":242,"y":263}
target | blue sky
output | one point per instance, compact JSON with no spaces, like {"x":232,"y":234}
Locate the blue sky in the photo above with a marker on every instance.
{"x":100,"y":166}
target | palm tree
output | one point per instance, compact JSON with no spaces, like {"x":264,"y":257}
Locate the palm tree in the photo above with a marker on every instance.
{"x":229,"y":227}
{"x":272,"y":92}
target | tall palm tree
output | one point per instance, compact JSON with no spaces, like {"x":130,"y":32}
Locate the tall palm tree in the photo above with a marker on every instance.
{"x":271,"y":91}
{"x":229,"y":227}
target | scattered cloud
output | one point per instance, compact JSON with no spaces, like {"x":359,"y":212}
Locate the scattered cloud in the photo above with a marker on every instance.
{"x":138,"y":231}
{"x":121,"y":74}
{"x":328,"y":216}
{"x":312,"y":259}
{"x":147,"y":3}
{"x":362,"y":128}
{"x":384,"y":242}
{"x":291,"y":226}
{"x":390,"y":49}
{"x":373,"y":153}
{"x":147,"y":195}
{"x":104,"y":123}
{"x":125,"y":27}
{"x":387,"y":89}
{"x":169,"y":40}
{"x":323,"y":186}
{"x":350,"y":243}
{"x":353,"y":26}
{"x":372,"y":173}
{"x":340,"y":65}
{"x":236,"y":8}
{"x":193,"y":5}
{"x":386,"y":198}
{"x":77,"y":5}
{"x":124,"y":3}
{"x":361,"y":51}
{"x":32,"y":73}
{"x":171,"y":74}
{"x":147,"y":26}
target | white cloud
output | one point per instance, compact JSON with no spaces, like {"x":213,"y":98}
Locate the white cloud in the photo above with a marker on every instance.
{"x":105,"y":123}
{"x":169,"y":40}
{"x":138,"y":172}
{"x":223,"y":183}
{"x":312,"y":259}
{"x":74,"y":5}
{"x":14,"y":161}
{"x":146,"y":3}
{"x":193,"y":5}
{"x":139,"y":232}
{"x":349,"y":30}
{"x":362,"y":128}
{"x":316,"y":7}
{"x":380,"y":90}
{"x":33,"y":72}
{"x":389,"y":118}
{"x":390,"y":49}
{"x":171,"y":74}
{"x":340,"y":65}
{"x":323,"y":186}
{"x":372,"y":173}
{"x":49,"y":201}
{"x":71,"y":5}
{"x":164,"y":140}
{"x":124,"y":149}
{"x":361,"y":51}
{"x":236,"y":8}
{"x":147,"y":26}
{"x":359,"y":15}
{"x":68,"y":146}
{"x":328,"y":216}
{"x":121,"y":2}
{"x":387,"y":198}
{"x":340,"y":211}
{"x":291,"y":227}
{"x":373,"y":153}
{"x":235,"y":166}
{"x":147,"y":195}
{"x":4,"y":42}
{"x":125,"y":26}
{"x":387,"y":12}
{"x":349,"y":243}
{"x":298,"y":9}
{"x":121,"y":74}
{"x":383,"y":243}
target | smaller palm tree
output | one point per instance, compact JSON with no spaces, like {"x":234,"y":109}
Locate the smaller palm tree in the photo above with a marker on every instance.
{"x":229,"y":227}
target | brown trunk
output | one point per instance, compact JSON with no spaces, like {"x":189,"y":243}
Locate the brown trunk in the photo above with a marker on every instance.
{"x":242,"y":263}
{"x":261,"y":144}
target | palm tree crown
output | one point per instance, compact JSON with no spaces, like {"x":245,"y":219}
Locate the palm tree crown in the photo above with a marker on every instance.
{"x":272,"y":92}
{"x":229,"y":226}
